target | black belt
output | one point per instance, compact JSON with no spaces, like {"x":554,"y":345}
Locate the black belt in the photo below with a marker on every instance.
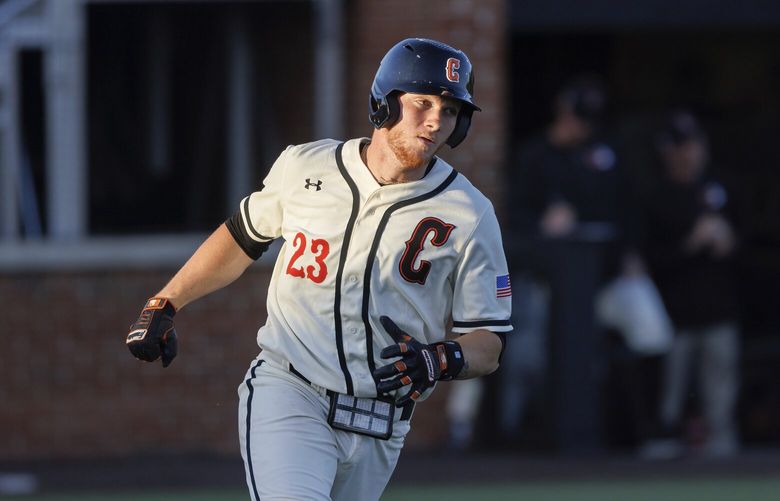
{"x":406,"y":413}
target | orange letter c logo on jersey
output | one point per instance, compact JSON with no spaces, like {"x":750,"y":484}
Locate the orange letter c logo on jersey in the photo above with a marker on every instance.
{"x":452,"y":69}
{"x":412,"y":270}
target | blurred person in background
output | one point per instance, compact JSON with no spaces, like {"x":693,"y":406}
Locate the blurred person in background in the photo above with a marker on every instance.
{"x":690,"y":250}
{"x":574,"y":198}
{"x":567,"y":173}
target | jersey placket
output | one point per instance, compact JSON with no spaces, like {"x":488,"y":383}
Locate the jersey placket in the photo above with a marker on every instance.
{"x":352,"y":288}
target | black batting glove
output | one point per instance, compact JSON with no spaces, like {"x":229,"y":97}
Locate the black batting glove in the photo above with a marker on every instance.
{"x":152,"y":336}
{"x":420,"y":366}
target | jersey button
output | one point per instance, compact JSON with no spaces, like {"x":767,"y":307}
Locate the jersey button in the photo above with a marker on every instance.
{"x":352,"y":278}
{"x":353,"y":330}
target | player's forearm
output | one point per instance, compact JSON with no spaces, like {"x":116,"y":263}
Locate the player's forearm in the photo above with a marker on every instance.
{"x":481,"y":349}
{"x":217,"y":262}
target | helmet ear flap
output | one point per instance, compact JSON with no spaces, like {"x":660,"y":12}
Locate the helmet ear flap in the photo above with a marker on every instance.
{"x":384,"y":110}
{"x":377,"y":110}
{"x":461,"y":128}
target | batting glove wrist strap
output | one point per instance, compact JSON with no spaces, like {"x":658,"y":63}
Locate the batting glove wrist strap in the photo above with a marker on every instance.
{"x":420,"y":365}
{"x":451,"y":359}
{"x":152,"y":336}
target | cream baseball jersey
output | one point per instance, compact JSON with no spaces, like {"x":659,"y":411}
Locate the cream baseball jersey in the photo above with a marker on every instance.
{"x":423,"y":253}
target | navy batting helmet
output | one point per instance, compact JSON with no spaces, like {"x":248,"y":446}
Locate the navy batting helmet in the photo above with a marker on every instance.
{"x":423,"y":66}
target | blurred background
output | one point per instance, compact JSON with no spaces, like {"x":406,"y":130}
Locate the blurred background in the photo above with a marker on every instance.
{"x":130,"y":129}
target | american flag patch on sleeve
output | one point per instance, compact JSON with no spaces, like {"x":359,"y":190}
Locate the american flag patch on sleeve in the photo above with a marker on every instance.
{"x":503,"y":287}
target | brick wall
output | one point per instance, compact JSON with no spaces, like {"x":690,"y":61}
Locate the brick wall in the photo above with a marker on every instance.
{"x":68,"y":386}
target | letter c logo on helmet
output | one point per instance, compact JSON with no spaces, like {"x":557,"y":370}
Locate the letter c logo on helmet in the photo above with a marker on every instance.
{"x":452,"y":67}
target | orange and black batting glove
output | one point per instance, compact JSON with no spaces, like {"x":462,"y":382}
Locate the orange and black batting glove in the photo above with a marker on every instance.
{"x":420,"y":366}
{"x":152,"y":336}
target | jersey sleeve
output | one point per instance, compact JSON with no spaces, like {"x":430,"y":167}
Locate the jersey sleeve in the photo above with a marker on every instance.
{"x":258,"y":220}
{"x":482,"y":293}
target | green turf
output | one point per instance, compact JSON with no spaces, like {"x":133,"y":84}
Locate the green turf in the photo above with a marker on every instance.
{"x":683,"y":490}
{"x":203,"y":495}
{"x":665,"y":490}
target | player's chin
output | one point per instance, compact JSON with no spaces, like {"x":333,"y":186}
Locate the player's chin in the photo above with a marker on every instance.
{"x":421,"y":160}
{"x":413,"y":158}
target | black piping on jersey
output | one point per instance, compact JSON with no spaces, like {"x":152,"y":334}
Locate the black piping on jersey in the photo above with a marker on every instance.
{"x":248,"y":424}
{"x":482,"y":323}
{"x":340,"y":272}
{"x":372,"y":256}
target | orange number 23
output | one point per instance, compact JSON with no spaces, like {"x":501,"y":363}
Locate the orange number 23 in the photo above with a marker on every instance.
{"x":319,"y":248}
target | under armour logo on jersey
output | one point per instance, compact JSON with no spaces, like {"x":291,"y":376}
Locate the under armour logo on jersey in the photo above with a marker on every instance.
{"x":317,"y":185}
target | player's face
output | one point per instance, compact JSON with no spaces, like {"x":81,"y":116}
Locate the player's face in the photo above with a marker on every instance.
{"x":686,"y":161}
{"x":424,"y":126}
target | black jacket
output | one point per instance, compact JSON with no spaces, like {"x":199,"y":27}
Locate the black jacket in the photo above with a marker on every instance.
{"x":588,"y":177}
{"x":697,"y":289}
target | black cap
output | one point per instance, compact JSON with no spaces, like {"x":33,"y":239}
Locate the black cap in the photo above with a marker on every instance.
{"x":680,"y":127}
{"x":586,"y":97}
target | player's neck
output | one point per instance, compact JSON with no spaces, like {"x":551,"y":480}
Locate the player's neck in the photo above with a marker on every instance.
{"x":383,"y":164}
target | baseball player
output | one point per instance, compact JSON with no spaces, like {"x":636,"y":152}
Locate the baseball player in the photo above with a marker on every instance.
{"x":385,"y":244}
